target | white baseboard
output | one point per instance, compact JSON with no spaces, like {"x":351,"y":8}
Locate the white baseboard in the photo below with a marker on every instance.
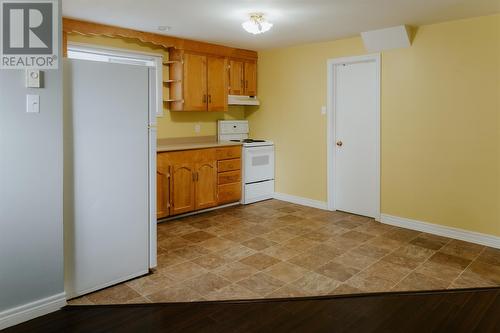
{"x":301,"y":201}
{"x":441,"y":230}
{"x":31,"y":310}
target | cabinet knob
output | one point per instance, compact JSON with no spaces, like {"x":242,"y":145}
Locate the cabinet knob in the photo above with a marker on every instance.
{"x":339,"y":143}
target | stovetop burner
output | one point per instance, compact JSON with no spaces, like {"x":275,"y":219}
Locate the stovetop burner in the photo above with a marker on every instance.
{"x":248,"y":140}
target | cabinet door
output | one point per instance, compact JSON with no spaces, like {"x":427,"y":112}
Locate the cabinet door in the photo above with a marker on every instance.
{"x":217,"y":84}
{"x":236,"y":80}
{"x":250,"y":79}
{"x":195,"y":82}
{"x":206,"y":185}
{"x":182,"y":196}
{"x":162,"y":192}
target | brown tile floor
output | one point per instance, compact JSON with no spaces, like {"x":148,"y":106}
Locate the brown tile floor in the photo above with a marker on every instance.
{"x":277,"y":249}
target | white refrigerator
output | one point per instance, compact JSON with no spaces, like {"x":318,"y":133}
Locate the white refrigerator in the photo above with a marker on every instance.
{"x":109,"y":176}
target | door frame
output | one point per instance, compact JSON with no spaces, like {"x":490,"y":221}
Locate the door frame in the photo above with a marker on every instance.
{"x":154,"y":62}
{"x":331,"y":112}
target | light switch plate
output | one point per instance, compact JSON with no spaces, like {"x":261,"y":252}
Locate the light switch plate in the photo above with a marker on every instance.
{"x":33,"y":103}
{"x":323,"y":109}
{"x":33,"y":78}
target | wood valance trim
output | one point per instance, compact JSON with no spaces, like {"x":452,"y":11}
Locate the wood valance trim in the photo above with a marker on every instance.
{"x":97,"y":29}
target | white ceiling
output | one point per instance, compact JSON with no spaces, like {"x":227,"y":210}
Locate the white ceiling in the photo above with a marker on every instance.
{"x":295,"y":21}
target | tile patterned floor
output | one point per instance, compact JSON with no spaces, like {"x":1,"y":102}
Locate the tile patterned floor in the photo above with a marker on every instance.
{"x":276,"y":249}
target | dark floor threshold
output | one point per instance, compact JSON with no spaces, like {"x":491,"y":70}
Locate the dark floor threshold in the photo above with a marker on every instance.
{"x":307,"y":298}
{"x":457,"y":310}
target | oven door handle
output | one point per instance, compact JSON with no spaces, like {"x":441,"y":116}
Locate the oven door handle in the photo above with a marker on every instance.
{"x":260,"y":150}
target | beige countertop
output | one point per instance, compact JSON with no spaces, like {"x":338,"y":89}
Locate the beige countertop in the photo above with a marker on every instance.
{"x":199,"y":142}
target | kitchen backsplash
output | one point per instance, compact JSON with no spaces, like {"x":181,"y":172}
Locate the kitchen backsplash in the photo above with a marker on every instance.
{"x":188,"y":124}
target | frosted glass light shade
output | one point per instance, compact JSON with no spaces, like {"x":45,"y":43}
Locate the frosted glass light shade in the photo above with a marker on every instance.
{"x":256,"y":25}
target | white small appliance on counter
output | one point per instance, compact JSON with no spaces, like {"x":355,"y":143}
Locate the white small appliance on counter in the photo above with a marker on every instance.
{"x":257,"y":160}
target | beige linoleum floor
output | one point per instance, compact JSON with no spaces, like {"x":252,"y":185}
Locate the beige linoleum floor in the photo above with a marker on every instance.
{"x":277,"y":249}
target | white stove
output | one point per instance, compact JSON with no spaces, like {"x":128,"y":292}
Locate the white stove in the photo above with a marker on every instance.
{"x":257,"y":160}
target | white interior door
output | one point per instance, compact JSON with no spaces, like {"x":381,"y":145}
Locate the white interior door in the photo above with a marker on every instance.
{"x":356,"y":139}
{"x":106,"y":174}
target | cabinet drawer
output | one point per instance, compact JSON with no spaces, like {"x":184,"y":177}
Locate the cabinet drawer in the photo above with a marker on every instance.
{"x":186,"y":156}
{"x":228,"y":152}
{"x":229,"y":193}
{"x":229,"y":177}
{"x":229,"y":165}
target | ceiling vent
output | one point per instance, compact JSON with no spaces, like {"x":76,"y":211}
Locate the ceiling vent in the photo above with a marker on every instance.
{"x":388,"y":38}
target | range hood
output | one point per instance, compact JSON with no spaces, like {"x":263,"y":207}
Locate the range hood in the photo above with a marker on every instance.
{"x":242,"y":100}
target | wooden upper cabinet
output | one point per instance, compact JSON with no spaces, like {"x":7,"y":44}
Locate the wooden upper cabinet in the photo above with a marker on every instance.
{"x":195,"y":82}
{"x":217,"y":84}
{"x":250,"y":78}
{"x":201,"y":82}
{"x":182,"y":196}
{"x":242,"y":77}
{"x":236,"y":78}
{"x":206,"y":185}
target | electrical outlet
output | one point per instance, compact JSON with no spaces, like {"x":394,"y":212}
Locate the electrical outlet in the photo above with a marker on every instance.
{"x":323,"y":109}
{"x":197,"y":128}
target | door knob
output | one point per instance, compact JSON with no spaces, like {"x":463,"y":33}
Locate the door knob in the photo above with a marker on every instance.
{"x":339,"y":143}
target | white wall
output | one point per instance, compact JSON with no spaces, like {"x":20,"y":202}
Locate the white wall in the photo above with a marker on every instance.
{"x":31,"y":195}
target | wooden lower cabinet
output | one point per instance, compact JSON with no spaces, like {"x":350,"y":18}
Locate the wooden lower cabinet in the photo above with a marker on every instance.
{"x":225,"y":153}
{"x":194,"y":180}
{"x":229,"y":177}
{"x":229,"y":165}
{"x":206,"y":185}
{"x":163,"y":191}
{"x":229,"y":193}
{"x":228,"y":174}
{"x":182,"y":198}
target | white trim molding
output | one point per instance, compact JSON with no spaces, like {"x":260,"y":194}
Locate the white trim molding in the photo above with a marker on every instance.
{"x":301,"y":200}
{"x":441,"y":230}
{"x":31,"y":310}
{"x":330,"y":119}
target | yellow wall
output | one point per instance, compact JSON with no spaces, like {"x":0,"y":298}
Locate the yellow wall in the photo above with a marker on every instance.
{"x":172,"y":124}
{"x":440,"y":122}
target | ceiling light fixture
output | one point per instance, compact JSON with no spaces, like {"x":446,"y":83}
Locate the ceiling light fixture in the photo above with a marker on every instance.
{"x":256,"y":24}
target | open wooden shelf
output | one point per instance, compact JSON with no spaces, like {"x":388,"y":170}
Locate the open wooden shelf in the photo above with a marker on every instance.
{"x":171,"y":62}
